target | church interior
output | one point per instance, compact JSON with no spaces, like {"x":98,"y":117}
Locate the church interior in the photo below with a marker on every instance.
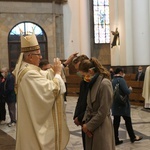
{"x":116,"y":32}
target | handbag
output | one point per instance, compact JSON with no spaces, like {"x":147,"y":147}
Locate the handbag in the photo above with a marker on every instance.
{"x":118,"y":97}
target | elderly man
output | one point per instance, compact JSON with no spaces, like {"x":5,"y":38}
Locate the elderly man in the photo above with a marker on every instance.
{"x":41,"y":123}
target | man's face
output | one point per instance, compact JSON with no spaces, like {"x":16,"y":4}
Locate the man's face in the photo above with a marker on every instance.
{"x":4,"y":73}
{"x":35,"y":57}
{"x":140,"y":69}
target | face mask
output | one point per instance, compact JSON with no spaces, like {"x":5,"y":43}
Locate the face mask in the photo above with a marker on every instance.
{"x":88,"y":78}
{"x":3,"y":74}
{"x":79,"y":74}
{"x":140,"y":71}
{"x":123,"y":75}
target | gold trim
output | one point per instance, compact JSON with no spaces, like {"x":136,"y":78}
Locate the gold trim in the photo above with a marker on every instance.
{"x":55,"y":126}
{"x":59,"y":112}
{"x":32,"y":48}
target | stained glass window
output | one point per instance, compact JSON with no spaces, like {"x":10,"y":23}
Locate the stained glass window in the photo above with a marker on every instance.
{"x":101,"y":21}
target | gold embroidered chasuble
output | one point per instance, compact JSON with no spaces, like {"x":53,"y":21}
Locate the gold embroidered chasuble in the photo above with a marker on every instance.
{"x":41,"y":120}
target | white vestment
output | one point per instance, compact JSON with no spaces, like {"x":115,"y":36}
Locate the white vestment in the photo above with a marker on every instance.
{"x":41,"y":120}
{"x":146,"y":88}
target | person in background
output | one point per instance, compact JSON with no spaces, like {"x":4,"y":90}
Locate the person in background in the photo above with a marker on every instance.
{"x":2,"y":101}
{"x":119,"y":111}
{"x":81,"y":102}
{"x":111,"y":70}
{"x":9,"y":94}
{"x":65,"y":64}
{"x":146,"y":88}
{"x":41,"y":119}
{"x":44,"y":65}
{"x":97,"y":123}
{"x":140,"y":74}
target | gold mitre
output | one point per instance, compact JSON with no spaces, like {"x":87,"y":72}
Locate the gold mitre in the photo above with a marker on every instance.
{"x":29,"y":43}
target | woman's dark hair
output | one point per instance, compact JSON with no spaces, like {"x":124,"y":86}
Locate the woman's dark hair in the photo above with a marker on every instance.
{"x":94,"y":63}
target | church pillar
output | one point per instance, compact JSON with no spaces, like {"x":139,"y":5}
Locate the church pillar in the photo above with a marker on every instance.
{"x":141,"y":32}
{"x":85,"y":28}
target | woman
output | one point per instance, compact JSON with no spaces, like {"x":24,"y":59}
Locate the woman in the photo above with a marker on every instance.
{"x":97,"y":123}
{"x":122,"y":110}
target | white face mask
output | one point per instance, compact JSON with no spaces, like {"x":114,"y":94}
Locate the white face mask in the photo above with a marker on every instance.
{"x":3,"y":74}
{"x":140,"y":71}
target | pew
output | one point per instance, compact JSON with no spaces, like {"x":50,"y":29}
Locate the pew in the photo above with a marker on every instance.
{"x":73,"y":85}
{"x":73,"y":88}
{"x":130,"y":77}
{"x":136,"y":94}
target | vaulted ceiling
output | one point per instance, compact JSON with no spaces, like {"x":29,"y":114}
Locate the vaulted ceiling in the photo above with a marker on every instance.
{"x":56,"y":1}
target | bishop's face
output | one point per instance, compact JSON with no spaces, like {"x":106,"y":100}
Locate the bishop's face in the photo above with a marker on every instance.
{"x":35,"y":57}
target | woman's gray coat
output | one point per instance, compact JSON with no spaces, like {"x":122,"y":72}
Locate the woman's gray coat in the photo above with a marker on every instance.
{"x":97,"y":116}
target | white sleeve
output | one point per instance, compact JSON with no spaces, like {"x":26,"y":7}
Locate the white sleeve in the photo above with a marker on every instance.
{"x":62,"y":84}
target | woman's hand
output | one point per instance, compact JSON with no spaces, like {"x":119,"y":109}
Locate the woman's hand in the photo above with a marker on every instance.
{"x":86,"y":131}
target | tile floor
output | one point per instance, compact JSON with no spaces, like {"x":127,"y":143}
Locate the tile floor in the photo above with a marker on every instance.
{"x":140,"y":120}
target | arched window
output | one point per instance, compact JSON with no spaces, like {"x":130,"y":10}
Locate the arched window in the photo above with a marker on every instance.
{"x":101,"y":21}
{"x":14,"y":47}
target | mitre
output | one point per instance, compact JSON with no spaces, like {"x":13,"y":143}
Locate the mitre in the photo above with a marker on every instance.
{"x":29,"y":43}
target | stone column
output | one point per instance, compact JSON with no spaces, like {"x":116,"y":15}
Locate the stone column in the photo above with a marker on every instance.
{"x":85,"y":28}
{"x":141,"y":32}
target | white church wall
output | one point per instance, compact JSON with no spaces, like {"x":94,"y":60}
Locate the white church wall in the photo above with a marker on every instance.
{"x":76,"y":27}
{"x":71,"y":14}
{"x":115,"y":51}
{"x":133,"y":22}
{"x":141,"y":32}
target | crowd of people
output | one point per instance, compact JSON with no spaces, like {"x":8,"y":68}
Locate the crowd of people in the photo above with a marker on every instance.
{"x":7,"y":96}
{"x":40,"y":91}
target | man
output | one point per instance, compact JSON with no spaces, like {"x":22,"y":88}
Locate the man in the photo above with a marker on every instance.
{"x":140,"y":74}
{"x":124,"y":111}
{"x":9,"y":94}
{"x":44,"y":64}
{"x":41,"y":123}
{"x":82,"y":99}
{"x":111,"y":70}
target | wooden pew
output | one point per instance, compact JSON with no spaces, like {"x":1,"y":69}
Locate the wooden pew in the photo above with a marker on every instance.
{"x":73,"y":88}
{"x":130,"y":77}
{"x":73,"y":85}
{"x":136,"y":94}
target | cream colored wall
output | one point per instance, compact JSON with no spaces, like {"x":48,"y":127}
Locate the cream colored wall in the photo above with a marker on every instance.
{"x":133,"y":22}
{"x":45,"y":15}
{"x":76,"y":27}
{"x":71,"y":12}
